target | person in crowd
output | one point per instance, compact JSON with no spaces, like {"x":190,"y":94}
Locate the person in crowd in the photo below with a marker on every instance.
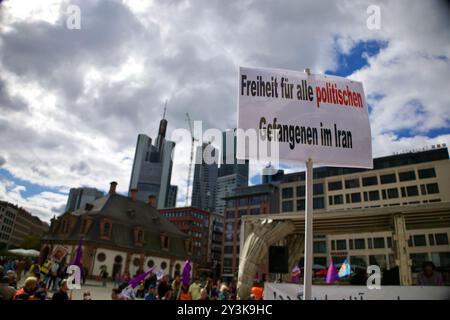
{"x":19,"y":268}
{"x":257,"y":291}
{"x":224,"y":292}
{"x":233,"y":290}
{"x":117,"y":280}
{"x":34,"y":268}
{"x":128,"y":293}
{"x":41,"y":290}
{"x":140,"y":292}
{"x":27,"y":291}
{"x":151,"y":294}
{"x":26,"y":266}
{"x":169,"y":294}
{"x":209,"y":286}
{"x":116,"y":295}
{"x":62,"y":293}
{"x":185,"y":294}
{"x":429,"y":276}
{"x":176,"y":287}
{"x":163,"y":287}
{"x":104,"y":276}
{"x":84,"y":274}
{"x":126,"y":277}
{"x":150,"y":280}
{"x":194,"y":289}
{"x":6,"y":291}
{"x":214,"y":295}
{"x":2,"y":271}
{"x":53,"y":276}
{"x":12,"y":279}
{"x":87,"y":295}
{"x":204,"y":294}
{"x":359,"y":278}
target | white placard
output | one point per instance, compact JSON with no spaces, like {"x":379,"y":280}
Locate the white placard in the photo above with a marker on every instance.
{"x":289,"y":291}
{"x":317,"y":117}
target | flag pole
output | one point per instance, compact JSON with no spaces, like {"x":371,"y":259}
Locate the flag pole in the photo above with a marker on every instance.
{"x":307,"y":270}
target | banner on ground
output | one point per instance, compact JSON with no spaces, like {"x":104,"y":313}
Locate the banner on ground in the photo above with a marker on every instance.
{"x":289,"y":291}
{"x":290,"y":116}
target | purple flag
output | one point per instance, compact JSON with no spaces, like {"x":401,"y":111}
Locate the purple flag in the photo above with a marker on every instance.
{"x":295,"y":276}
{"x":186,"y":275}
{"x":332,"y":274}
{"x":79,"y":254}
{"x":140,"y":277}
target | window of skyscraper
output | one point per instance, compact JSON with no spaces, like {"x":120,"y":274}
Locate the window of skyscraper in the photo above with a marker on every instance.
{"x":407,"y":175}
{"x":392,"y":193}
{"x":288,"y":206}
{"x":403,"y":190}
{"x":378,"y":243}
{"x":360,"y":244}
{"x":341,"y":244}
{"x":338,"y":199}
{"x":352,"y":183}
{"x":388,"y":178}
{"x":318,"y":203}
{"x":432,"y":188}
{"x":419,"y":240}
{"x":300,"y":191}
{"x":441,"y":238}
{"x":318,"y":188}
{"x":335,"y":185}
{"x":320,"y":247}
{"x":412,"y":191}
{"x":300,"y":204}
{"x":427,"y":173}
{"x":356,"y":197}
{"x":374,"y":195}
{"x":369,"y":181}
{"x":287,"y":193}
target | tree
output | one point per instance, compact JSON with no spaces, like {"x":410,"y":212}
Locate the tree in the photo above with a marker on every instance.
{"x":31,"y":242}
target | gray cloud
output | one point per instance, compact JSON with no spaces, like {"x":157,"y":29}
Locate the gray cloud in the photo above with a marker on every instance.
{"x":2,"y":161}
{"x":81,"y":168}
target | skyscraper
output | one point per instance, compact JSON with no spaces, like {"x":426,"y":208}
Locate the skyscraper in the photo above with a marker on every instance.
{"x":229,"y":164}
{"x":172,"y":197}
{"x":233,"y":173}
{"x":152,"y":167}
{"x":78,"y":197}
{"x":205,"y":178}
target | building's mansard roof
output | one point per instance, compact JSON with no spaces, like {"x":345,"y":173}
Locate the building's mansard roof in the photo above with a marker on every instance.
{"x":125,"y":215}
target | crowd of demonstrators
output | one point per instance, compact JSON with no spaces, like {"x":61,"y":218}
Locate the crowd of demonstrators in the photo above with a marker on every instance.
{"x":163,"y":287}
{"x":41,"y":281}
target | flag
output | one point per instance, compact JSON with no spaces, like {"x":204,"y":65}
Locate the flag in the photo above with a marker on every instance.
{"x":186,"y":275}
{"x":295,"y":276}
{"x":140,"y":277}
{"x":345,"y":269}
{"x":159,"y":275}
{"x":78,"y":254}
{"x":332,"y":273}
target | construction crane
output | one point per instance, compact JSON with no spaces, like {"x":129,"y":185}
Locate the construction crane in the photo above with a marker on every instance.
{"x":191,"y":160}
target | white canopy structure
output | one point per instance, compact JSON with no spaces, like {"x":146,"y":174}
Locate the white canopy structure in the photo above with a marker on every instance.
{"x":25,"y":252}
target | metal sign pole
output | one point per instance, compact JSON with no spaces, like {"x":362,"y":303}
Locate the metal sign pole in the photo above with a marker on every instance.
{"x":308,"y":255}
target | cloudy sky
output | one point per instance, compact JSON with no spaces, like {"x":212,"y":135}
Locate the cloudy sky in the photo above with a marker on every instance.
{"x":73,"y":101}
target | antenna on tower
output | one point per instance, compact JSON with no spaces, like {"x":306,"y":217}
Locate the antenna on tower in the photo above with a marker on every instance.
{"x":165,"y":108}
